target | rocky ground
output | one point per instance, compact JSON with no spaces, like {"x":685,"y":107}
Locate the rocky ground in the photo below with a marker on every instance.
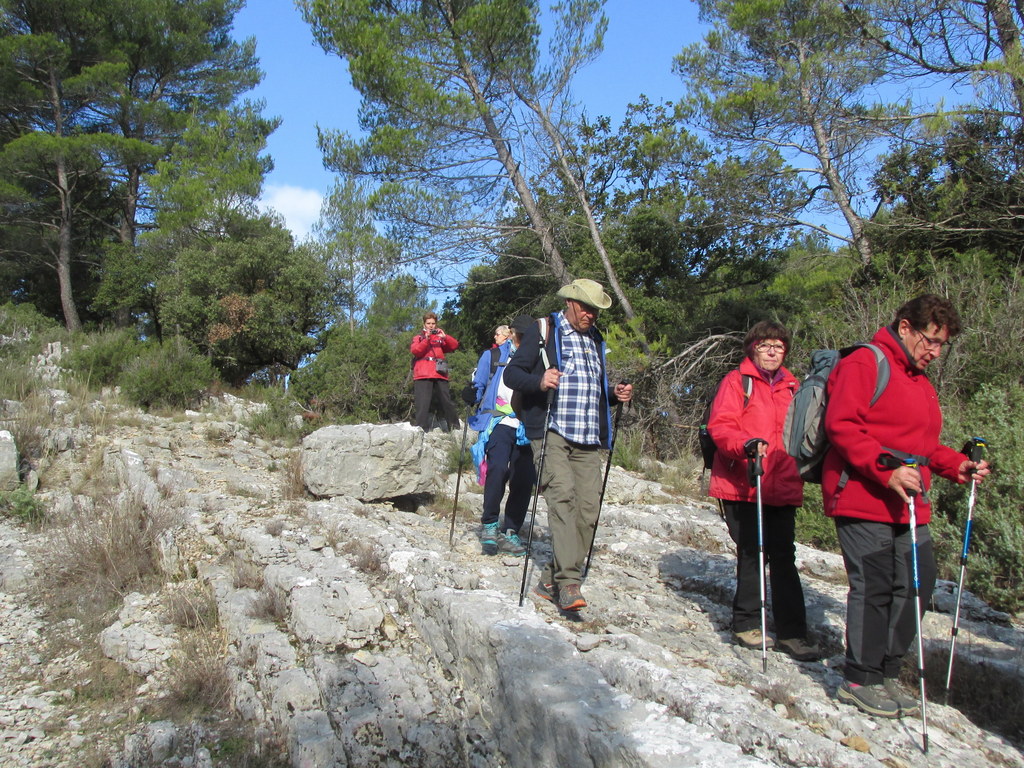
{"x":350,"y":633}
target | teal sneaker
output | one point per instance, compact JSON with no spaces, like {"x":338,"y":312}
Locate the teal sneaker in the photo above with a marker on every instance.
{"x":489,"y":538}
{"x":510,"y":543}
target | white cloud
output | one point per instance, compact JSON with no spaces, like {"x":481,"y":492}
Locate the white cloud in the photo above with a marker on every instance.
{"x":300,"y":207}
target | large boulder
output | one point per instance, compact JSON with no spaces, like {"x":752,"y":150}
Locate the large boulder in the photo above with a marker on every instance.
{"x":372,"y":461}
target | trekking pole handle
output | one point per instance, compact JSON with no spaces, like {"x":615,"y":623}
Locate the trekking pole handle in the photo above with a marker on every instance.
{"x":974,"y":447}
{"x":755,"y":468}
{"x":892,"y":462}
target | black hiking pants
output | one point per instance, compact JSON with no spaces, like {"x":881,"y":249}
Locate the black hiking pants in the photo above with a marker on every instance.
{"x":787,"y":594}
{"x":433,"y":393}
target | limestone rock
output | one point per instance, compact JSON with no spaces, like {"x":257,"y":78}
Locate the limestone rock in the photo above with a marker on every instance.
{"x":370,"y":461}
{"x":8,"y":462}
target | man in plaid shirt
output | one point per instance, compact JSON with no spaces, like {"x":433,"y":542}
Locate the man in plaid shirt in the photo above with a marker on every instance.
{"x":566,"y":368}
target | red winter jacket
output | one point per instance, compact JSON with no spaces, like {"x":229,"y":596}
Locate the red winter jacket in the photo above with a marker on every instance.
{"x":731,"y":425}
{"x":905,"y":418}
{"x":428,"y":349}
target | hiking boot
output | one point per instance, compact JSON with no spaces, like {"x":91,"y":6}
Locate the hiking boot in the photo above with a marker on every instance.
{"x":510,"y":543}
{"x":872,"y":699}
{"x":909,"y":705}
{"x":570,"y":598}
{"x":799,"y":649}
{"x":489,"y":538}
{"x":751,"y":638}
{"x":546,"y":591}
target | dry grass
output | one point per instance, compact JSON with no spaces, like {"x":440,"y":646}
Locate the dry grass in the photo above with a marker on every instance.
{"x":99,"y":551}
{"x":362,"y":556}
{"x":28,"y":425}
{"x":270,"y":605}
{"x":245,"y":573}
{"x":191,"y":606}
{"x":292,"y":484}
{"x":199,"y":681}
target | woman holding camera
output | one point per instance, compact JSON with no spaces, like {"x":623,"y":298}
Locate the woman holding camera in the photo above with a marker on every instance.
{"x":430,"y":372}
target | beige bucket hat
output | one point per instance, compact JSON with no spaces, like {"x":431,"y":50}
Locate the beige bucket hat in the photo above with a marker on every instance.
{"x":586,"y":291}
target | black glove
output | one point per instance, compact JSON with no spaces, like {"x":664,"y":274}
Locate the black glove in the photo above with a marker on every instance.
{"x":750,"y":447}
{"x":469,"y":394}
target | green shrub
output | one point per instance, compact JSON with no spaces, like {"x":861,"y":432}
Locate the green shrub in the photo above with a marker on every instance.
{"x":995,"y":570}
{"x":23,"y":334}
{"x":281,"y":420}
{"x":812,"y":527}
{"x":168,"y":375}
{"x":100,"y":359}
{"x":360,"y":377}
{"x":23,"y":331}
{"x":22,"y":504}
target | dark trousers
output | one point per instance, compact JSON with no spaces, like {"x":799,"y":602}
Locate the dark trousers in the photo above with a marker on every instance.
{"x":787,"y":594}
{"x":424,"y":391}
{"x":512,"y":464}
{"x":880,"y":621}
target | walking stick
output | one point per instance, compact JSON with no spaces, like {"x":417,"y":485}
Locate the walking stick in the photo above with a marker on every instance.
{"x":536,"y":494}
{"x":973,"y":450}
{"x":604,"y":485}
{"x":754,"y":471}
{"x":917,"y":609}
{"x":458,"y":477}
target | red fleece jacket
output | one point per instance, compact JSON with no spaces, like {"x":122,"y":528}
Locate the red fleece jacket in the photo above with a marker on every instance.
{"x":905,"y":418}
{"x":427,"y":348}
{"x":732,"y":424}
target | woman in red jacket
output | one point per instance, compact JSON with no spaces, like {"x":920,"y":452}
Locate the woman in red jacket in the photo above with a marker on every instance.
{"x":870,"y":507}
{"x":430,"y":372}
{"x":748,"y":414}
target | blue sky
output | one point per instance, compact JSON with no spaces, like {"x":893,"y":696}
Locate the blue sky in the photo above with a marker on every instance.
{"x":305,"y":87}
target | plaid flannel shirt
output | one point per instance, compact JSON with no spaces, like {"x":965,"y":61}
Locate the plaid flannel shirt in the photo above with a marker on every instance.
{"x":577,"y":408}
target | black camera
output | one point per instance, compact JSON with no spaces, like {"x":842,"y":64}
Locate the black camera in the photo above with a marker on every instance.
{"x":434,"y":330}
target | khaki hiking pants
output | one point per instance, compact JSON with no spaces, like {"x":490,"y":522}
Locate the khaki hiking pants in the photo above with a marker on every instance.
{"x":572,"y":489}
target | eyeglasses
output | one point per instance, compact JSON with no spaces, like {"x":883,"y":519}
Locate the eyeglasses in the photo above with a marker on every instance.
{"x":765,"y":348}
{"x":932,"y":343}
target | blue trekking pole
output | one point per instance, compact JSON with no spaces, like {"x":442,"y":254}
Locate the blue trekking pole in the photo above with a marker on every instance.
{"x":889,"y":460}
{"x":755,"y":469}
{"x":973,"y":450}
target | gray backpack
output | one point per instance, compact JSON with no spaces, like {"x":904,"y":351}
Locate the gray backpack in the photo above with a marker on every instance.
{"x":804,"y":431}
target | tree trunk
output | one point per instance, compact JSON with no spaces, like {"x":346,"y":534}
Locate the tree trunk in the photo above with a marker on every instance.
{"x":1009,"y":43}
{"x":64,"y":245}
{"x":858,"y":237}
{"x":538,"y":222}
{"x":581,"y":196}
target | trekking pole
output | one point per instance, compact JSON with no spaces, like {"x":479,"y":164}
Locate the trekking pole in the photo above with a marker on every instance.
{"x":917,"y":612}
{"x":604,"y":485}
{"x":973,"y":450}
{"x":458,"y":477}
{"x":536,"y":494}
{"x":754,"y":471}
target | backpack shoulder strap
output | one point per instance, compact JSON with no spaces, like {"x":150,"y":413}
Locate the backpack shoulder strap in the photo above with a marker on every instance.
{"x":881,"y":363}
{"x":748,"y":388}
{"x":495,"y":360}
{"x":544,"y":325}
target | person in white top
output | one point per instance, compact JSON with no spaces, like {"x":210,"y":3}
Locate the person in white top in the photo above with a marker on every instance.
{"x":509,"y":461}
